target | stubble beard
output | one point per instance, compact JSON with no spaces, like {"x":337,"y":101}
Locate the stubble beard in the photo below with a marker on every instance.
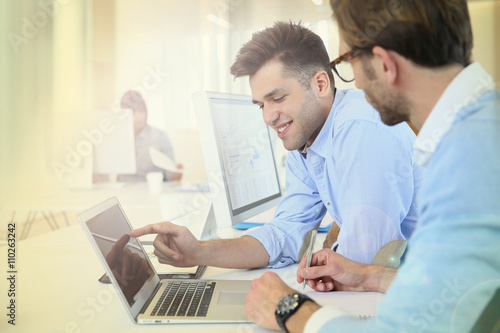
{"x":393,"y":110}
{"x":392,"y":107}
{"x":307,"y":120}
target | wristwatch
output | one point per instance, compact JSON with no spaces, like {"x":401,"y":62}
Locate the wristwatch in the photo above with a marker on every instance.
{"x":287,"y":306}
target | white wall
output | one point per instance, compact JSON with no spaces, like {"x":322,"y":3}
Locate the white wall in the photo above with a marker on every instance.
{"x":485,"y":18}
{"x":192,"y":44}
{"x":185,"y":45}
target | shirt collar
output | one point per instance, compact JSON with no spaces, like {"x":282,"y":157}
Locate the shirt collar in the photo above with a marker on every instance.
{"x":465,"y":88}
{"x":320,"y":145}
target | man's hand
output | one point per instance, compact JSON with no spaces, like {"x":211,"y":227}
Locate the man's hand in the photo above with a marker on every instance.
{"x":262,"y":299}
{"x":177,"y":175}
{"x":332,"y":271}
{"x":177,"y":246}
{"x":129,"y":269}
{"x":174,"y":245}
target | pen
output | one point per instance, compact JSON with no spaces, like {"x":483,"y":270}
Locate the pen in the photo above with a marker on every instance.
{"x":309,"y":253}
{"x":307,"y":266}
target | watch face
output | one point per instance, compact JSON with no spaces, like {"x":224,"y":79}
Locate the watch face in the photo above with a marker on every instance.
{"x":288,"y":303}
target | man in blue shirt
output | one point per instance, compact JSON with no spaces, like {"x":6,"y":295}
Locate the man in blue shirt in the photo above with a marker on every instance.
{"x":417,"y":68}
{"x":342,"y":159}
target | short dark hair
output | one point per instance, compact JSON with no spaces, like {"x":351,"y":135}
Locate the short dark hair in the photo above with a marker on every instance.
{"x":301,"y":52}
{"x":431,"y":33}
{"x":133,"y":100}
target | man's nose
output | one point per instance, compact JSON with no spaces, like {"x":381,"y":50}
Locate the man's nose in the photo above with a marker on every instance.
{"x":271,"y":114}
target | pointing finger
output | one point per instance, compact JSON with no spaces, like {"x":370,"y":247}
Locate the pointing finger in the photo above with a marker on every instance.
{"x":155,"y":228}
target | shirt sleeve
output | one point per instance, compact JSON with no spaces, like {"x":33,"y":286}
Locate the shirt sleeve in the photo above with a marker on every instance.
{"x":376,"y":187}
{"x":297,"y":213}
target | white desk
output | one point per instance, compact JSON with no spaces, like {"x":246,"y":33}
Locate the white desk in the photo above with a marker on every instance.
{"x":57,"y":290}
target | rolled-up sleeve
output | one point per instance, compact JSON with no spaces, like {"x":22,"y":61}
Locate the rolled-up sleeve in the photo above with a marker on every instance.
{"x":299,"y":211}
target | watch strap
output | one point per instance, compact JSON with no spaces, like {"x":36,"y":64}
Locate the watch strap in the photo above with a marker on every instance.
{"x":281,"y":317}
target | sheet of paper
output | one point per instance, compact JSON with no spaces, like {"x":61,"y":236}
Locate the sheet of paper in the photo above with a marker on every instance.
{"x":357,"y":303}
{"x":162,"y":161}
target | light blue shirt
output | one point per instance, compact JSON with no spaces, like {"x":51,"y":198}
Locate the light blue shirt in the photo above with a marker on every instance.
{"x":452,"y":269}
{"x":358,"y":169}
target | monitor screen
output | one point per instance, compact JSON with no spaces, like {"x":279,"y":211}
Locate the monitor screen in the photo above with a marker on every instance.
{"x":239,"y":158}
{"x":114,"y":146}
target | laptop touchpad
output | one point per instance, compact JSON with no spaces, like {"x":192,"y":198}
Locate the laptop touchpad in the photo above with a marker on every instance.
{"x":231,"y":298}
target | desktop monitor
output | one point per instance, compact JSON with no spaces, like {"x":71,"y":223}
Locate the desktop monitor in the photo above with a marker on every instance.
{"x":114,"y":146}
{"x":239,"y":159}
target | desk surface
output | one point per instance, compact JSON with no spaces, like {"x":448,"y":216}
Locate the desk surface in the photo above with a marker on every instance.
{"x":57,"y":290}
{"x":142,"y":208}
{"x":183,"y":203}
{"x":133,"y":195}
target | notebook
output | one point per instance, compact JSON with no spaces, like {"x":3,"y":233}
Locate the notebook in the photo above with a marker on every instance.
{"x":146,"y":298}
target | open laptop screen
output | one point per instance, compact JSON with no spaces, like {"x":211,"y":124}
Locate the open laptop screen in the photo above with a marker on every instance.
{"x":123,"y":254}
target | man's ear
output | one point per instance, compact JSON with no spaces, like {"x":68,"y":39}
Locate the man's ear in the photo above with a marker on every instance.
{"x":388,"y":65}
{"x":321,"y":82}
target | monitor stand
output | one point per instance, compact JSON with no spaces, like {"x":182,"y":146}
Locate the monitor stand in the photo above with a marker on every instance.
{"x":212,"y":231}
{"x":109,"y":181}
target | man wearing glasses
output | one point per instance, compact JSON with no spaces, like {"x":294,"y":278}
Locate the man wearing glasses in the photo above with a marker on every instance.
{"x":417,"y":68}
{"x":342,"y":159}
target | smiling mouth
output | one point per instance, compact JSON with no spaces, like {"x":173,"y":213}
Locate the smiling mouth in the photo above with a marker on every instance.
{"x":282,"y":128}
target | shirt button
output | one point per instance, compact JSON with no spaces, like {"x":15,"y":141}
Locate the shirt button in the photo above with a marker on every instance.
{"x":328,"y":203}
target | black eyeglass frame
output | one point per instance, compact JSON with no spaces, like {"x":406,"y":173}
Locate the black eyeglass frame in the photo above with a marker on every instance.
{"x":348,"y":56}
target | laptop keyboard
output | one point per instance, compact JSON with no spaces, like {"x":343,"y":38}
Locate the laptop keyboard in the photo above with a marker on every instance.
{"x":185,"y":299}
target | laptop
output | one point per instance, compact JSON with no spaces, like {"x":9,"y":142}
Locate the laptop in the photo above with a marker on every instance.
{"x":147,"y":298}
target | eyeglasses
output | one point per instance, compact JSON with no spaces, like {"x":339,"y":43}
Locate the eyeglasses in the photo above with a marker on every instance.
{"x":342,"y":67}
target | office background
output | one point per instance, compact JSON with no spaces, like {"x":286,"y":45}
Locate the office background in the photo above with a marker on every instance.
{"x":63,"y":61}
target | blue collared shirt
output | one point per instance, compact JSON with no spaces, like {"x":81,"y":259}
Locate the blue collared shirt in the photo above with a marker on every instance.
{"x":360,"y":171}
{"x":452,"y":269}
